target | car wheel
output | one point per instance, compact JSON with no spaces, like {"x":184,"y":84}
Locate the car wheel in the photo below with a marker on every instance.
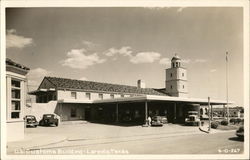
{"x":56,"y":123}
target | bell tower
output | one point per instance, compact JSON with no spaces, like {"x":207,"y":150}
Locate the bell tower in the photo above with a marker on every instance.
{"x":176,"y":79}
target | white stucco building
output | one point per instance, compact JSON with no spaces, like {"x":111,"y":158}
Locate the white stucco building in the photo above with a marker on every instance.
{"x":15,"y":99}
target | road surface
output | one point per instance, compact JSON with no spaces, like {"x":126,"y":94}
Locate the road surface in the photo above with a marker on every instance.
{"x":216,"y":143}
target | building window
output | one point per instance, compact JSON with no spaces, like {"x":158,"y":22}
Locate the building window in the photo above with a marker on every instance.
{"x":171,"y":75}
{"x":176,"y":64}
{"x":73,"y":95}
{"x":183,"y":86}
{"x":112,"y":96}
{"x":88,"y":96}
{"x":122,"y":95}
{"x":15,"y":99}
{"x":100,"y":96}
{"x":73,"y":112}
{"x":182,"y":74}
{"x":171,"y":87}
{"x":201,"y":111}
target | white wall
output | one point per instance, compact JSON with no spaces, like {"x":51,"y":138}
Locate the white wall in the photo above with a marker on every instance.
{"x":177,"y":81}
{"x":15,"y":131}
{"x":15,"y":126}
{"x":38,"y":109}
{"x":65,"y":94}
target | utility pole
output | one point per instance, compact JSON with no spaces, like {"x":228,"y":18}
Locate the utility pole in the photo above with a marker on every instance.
{"x":227,"y":85}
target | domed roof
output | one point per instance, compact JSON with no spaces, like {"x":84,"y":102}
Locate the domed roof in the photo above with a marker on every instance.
{"x":176,"y":57}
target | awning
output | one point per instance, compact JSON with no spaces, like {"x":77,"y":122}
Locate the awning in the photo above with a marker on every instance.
{"x":148,"y":98}
{"x":40,"y":91}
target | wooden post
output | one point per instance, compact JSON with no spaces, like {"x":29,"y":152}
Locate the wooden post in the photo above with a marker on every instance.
{"x":174,"y":112}
{"x":117,"y":113}
{"x":146,"y":112}
{"x":209,"y":116}
{"x":212,"y":113}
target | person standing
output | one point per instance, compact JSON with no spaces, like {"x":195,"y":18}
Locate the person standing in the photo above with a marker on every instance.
{"x":149,"y":120}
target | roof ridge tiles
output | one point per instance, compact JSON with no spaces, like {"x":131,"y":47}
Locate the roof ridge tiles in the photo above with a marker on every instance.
{"x":68,"y":83}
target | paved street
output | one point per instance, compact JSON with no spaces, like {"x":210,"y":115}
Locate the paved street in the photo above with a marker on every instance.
{"x":108,"y":139}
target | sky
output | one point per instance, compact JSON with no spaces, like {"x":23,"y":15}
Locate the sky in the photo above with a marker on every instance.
{"x":121,"y":45}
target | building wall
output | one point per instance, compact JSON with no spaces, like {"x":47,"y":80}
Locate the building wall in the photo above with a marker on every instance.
{"x":15,"y":123}
{"x":176,"y":82}
{"x":15,"y":130}
{"x":66,"y":94}
{"x":38,"y":109}
{"x":67,"y":109}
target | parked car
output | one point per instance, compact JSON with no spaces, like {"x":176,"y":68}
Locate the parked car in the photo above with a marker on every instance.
{"x":164,"y":119}
{"x":156,"y":121}
{"x":192,"y":118}
{"x":49,"y":119}
{"x":30,"y":121}
{"x":240,"y":132}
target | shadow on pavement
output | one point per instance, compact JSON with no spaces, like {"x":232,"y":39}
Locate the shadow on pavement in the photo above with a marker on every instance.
{"x":240,"y":139}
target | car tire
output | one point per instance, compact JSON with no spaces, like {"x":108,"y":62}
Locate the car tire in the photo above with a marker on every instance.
{"x":56,"y":123}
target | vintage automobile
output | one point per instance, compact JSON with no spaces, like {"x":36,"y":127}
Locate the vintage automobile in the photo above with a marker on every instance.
{"x":30,"y":121}
{"x":156,"y":121}
{"x":192,"y":118}
{"x":240,"y":132}
{"x":49,"y":119}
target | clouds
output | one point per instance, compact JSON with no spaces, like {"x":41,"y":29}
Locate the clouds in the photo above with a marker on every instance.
{"x":85,"y":57}
{"x":165,"y":61}
{"x":80,"y":59}
{"x":38,"y":72}
{"x":145,"y":57}
{"x":16,"y":41}
{"x":125,"y":51}
{"x":136,"y":58}
{"x":36,"y":75}
{"x":88,"y":44}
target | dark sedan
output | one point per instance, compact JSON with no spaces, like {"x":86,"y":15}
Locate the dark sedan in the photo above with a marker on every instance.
{"x":30,"y":121}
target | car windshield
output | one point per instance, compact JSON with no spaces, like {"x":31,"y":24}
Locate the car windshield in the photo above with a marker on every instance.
{"x":48,"y":115}
{"x":192,"y":113}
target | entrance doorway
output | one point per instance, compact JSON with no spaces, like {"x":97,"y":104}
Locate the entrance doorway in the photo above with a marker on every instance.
{"x":87,"y":114}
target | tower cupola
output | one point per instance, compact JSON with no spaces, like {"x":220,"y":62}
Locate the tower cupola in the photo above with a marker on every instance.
{"x":176,"y":61}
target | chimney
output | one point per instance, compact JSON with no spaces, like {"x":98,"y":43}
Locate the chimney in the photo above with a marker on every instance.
{"x":141,"y":84}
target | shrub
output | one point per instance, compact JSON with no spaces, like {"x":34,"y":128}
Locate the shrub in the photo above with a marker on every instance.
{"x":224,"y":122}
{"x":238,"y":120}
{"x":214,"y":124}
{"x":233,"y":120}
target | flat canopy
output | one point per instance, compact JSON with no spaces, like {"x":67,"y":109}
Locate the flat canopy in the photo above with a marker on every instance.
{"x":39,"y":91}
{"x":149,"y":98}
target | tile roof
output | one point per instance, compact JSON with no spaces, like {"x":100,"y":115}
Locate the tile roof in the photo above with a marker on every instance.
{"x":12,"y":63}
{"x":64,"y":83}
